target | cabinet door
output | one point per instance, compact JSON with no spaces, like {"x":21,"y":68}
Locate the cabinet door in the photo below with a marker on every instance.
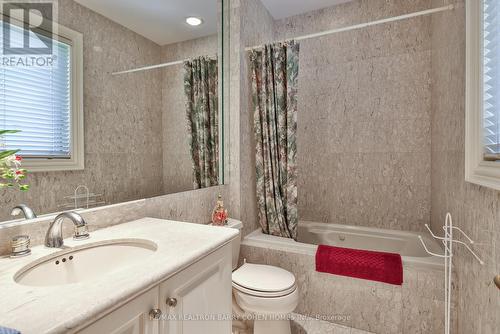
{"x":131,"y":318}
{"x":198,"y":299}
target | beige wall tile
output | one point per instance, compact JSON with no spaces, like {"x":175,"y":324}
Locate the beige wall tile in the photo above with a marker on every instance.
{"x":364,"y":142}
{"x":475,"y":209}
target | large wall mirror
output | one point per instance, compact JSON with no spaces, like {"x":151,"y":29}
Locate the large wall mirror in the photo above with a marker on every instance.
{"x":109,"y":101}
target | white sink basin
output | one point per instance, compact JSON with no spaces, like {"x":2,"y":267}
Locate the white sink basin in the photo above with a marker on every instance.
{"x":84,"y":263}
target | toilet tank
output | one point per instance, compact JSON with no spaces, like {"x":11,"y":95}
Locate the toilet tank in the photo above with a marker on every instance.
{"x":233,"y":223}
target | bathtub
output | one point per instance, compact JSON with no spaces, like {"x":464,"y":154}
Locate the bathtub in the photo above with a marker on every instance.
{"x":312,"y":234}
{"x":366,"y":305}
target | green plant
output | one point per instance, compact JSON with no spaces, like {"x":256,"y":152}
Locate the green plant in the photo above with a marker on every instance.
{"x":11,"y":173}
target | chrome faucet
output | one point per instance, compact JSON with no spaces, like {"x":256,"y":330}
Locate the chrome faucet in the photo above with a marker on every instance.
{"x":26,"y":210}
{"x":54,"y":239}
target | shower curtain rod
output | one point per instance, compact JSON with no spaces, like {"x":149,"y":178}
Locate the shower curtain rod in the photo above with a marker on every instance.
{"x":152,"y":67}
{"x":364,"y":25}
{"x":145,"y":68}
{"x":319,"y":34}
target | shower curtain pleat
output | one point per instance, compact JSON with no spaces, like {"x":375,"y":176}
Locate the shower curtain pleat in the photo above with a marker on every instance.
{"x":274,"y":71}
{"x":201,"y":89}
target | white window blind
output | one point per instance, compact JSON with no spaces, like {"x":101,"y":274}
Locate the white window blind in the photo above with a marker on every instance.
{"x":37,"y":101}
{"x":491,"y":78}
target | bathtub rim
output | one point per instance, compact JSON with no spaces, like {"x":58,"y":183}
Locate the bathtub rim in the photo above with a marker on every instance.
{"x":258,"y":239}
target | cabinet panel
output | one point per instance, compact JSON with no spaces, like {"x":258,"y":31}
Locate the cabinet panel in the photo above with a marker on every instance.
{"x":194,"y":301}
{"x":199,"y":297}
{"x":132,"y":318}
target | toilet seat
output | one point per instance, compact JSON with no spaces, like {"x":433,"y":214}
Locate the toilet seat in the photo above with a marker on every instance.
{"x":263,"y":294}
{"x":263,"y":281}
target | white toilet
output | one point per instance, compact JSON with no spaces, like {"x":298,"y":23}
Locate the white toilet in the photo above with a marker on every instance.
{"x":269,"y":294}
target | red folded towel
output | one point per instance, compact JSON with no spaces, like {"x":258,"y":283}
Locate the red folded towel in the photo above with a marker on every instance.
{"x":369,"y":265}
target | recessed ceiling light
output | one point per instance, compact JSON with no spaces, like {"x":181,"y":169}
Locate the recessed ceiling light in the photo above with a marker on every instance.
{"x":194,"y":21}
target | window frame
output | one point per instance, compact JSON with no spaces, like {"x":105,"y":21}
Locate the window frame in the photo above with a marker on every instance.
{"x":77,"y":160}
{"x":477,"y":169}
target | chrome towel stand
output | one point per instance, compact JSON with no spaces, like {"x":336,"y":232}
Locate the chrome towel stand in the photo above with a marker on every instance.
{"x":448,"y":241}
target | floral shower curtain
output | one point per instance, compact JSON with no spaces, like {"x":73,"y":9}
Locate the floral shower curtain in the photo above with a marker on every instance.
{"x":201,"y":89}
{"x":274,"y":70}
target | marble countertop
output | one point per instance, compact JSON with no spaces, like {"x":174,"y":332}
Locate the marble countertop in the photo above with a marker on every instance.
{"x":66,"y":308}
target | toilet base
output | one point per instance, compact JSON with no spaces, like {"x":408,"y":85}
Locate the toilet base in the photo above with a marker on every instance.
{"x":271,"y":327}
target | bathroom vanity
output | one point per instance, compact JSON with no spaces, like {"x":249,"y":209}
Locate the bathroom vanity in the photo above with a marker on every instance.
{"x":148,"y":276}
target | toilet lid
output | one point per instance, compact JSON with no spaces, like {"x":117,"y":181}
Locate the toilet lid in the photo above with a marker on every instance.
{"x":263,"y":278}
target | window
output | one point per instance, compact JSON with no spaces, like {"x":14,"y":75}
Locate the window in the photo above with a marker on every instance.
{"x":482,"y":151}
{"x":44,"y":101}
{"x":491,"y":80}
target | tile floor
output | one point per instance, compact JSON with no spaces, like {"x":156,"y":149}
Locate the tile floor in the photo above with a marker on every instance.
{"x":305,"y":325}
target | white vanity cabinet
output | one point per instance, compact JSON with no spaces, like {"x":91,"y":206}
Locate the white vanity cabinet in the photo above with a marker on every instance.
{"x":131,"y":318}
{"x":198,"y":300}
{"x":193,"y":301}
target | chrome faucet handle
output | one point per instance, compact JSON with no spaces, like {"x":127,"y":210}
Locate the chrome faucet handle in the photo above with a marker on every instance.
{"x":81,"y":233}
{"x":20,"y":246}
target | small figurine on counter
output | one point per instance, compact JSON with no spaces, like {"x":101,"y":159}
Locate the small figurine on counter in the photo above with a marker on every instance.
{"x":219,"y":215}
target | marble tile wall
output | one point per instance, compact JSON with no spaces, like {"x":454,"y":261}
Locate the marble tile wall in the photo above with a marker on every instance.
{"x":417,"y":307}
{"x":474,"y":208}
{"x":232,"y":166}
{"x":251,"y":24}
{"x":257,"y":28}
{"x":364,"y":115}
{"x":122,"y":113}
{"x":177,"y":165}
